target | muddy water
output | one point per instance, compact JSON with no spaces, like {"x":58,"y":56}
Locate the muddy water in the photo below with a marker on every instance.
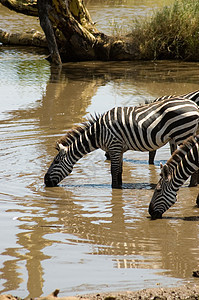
{"x":116,"y":16}
{"x":82,"y":236}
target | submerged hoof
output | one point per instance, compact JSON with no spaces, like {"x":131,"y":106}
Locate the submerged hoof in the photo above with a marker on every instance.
{"x":197,"y":201}
{"x":195,"y":274}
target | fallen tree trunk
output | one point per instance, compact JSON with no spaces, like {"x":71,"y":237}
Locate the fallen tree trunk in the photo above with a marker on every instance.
{"x":29,"y":38}
{"x":69,"y":31}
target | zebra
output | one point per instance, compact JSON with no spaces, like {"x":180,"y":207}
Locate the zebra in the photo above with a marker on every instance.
{"x":141,"y":128}
{"x":181,"y":165}
{"x":194,"y":96}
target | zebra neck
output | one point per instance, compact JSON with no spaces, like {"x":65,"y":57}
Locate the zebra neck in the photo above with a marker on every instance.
{"x":85,"y":143}
{"x":185,"y":166}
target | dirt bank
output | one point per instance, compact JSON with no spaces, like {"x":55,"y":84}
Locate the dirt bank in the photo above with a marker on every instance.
{"x":184,"y":292}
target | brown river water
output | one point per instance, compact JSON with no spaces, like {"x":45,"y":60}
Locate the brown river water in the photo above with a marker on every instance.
{"x":82,"y":236}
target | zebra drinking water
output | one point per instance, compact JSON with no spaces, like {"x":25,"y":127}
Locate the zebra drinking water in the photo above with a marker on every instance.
{"x":182,"y":164}
{"x":142,"y":128}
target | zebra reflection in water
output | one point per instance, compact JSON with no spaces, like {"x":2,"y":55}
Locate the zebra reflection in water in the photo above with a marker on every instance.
{"x":141,"y":128}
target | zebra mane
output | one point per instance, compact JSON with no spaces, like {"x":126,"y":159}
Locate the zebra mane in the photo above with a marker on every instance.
{"x":161,"y":98}
{"x":75,"y":132}
{"x":183,"y":149}
{"x":194,"y":96}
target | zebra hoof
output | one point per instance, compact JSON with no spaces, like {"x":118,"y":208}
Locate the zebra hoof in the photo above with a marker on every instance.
{"x":197,"y":201}
{"x":193,"y":183}
{"x":195,"y":274}
{"x":116,"y":186}
{"x":194,"y":180}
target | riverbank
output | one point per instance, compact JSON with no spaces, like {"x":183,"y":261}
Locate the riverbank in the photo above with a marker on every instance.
{"x":189,"y":292}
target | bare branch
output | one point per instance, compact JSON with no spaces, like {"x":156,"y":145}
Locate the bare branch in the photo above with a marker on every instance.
{"x":44,"y":6}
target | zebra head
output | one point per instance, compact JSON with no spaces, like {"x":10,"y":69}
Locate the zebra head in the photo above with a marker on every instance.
{"x":164,"y":195}
{"x":58,"y":169}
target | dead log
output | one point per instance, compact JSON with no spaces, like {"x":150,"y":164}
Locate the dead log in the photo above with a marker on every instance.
{"x":70,"y":33}
{"x":29,"y":38}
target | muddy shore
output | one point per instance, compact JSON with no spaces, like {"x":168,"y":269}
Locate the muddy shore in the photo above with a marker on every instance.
{"x":190,"y":292}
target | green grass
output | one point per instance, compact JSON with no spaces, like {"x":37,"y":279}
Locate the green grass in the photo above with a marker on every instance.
{"x":171,"y":33}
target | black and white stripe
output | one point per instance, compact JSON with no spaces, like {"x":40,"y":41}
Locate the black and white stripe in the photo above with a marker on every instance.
{"x":194,"y":96}
{"x":142,"y":128}
{"x":182,"y":164}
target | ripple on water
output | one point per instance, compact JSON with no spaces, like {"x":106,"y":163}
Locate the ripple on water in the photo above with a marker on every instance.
{"x":96,"y":238}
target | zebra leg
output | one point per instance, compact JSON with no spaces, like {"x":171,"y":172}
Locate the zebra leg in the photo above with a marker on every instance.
{"x":152,"y":154}
{"x":107,"y":155}
{"x":197,"y":201}
{"x":173,"y":146}
{"x":152,"y":157}
{"x":194,"y":179}
{"x":116,"y":169}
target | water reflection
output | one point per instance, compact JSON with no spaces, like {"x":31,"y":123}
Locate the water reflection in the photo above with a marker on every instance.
{"x":14,"y":22}
{"x":112,"y":223}
{"x":119,"y":16}
{"x":26,"y":258}
{"x":83,"y":226}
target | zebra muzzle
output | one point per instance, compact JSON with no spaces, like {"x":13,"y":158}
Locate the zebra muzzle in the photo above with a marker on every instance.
{"x":155,"y":214}
{"x":48,"y":181}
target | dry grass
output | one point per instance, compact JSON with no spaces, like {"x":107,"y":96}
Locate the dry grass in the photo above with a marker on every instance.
{"x":171,"y":33}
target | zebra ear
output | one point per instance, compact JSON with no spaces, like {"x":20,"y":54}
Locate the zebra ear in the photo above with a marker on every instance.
{"x":165,"y":172}
{"x":161,"y":168}
{"x":59,"y":147}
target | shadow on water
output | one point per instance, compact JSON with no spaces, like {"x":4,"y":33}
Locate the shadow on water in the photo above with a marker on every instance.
{"x":144,"y":162}
{"x":146,"y":71}
{"x":130,"y":186}
{"x":191,"y":218}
